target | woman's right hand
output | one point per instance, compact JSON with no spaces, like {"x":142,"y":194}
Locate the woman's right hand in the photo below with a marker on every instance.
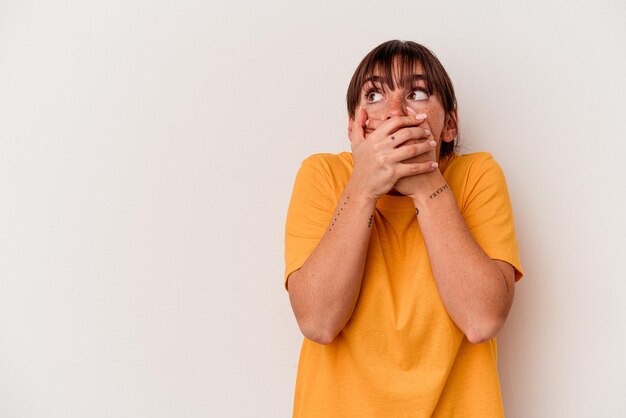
{"x":379,"y":159}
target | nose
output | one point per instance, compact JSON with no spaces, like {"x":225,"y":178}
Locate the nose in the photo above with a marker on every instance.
{"x":396,"y":106}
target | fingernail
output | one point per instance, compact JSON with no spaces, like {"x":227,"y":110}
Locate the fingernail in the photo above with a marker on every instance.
{"x":434,"y":165}
{"x":367,"y":122}
{"x":427,"y":132}
{"x":420,"y":116}
{"x":432,"y":143}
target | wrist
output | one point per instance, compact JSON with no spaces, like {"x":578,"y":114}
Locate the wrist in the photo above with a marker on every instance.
{"x":430,"y":187}
{"x":358,"y":195}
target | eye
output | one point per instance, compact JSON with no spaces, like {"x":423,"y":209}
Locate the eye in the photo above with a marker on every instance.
{"x":373,"y":96}
{"x":419,"y":94}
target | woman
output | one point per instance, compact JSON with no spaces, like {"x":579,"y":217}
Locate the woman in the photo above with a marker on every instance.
{"x":401,"y":257}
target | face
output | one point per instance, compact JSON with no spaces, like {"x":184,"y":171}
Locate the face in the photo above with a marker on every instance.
{"x":381,"y":102}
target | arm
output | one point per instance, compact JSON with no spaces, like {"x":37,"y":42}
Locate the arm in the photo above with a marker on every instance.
{"x":476,"y":290}
{"x":325,"y":290}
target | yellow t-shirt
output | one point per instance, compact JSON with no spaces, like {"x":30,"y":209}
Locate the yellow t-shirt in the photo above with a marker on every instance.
{"x":400,"y":354}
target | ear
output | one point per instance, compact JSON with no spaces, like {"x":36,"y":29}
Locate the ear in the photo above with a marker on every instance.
{"x":450,"y":127}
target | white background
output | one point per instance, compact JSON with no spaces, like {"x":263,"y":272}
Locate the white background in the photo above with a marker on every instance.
{"x":147,"y":155}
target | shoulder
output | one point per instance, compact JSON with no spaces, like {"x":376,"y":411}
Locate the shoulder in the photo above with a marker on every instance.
{"x":327,"y":172}
{"x":472,"y":166}
{"x":333,"y":166}
{"x":470,"y":173}
{"x":462,"y":163}
{"x":330,"y":162}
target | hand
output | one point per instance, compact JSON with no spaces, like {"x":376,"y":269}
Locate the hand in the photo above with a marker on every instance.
{"x":412,"y":184}
{"x":389,"y":153}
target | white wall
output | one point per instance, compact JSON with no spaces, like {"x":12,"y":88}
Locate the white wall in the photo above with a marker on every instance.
{"x":147,"y":155}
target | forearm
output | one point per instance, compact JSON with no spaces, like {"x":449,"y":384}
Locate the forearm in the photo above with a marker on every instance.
{"x":324,"y":291}
{"x":471,"y":286}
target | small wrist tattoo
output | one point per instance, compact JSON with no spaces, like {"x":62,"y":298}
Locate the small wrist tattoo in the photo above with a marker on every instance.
{"x":330,"y":228}
{"x":439,"y":190}
{"x":369,"y":223}
{"x":417,"y":211}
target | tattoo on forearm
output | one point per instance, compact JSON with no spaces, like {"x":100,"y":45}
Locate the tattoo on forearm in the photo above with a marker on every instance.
{"x":330,"y":228}
{"x":439,"y":190}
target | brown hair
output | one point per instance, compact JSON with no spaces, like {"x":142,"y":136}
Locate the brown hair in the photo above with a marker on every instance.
{"x":405,"y":55}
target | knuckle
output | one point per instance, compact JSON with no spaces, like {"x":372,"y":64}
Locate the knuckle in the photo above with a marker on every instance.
{"x":396,"y":123}
{"x":385,"y":173}
{"x":408,"y":119}
{"x":422,"y":167}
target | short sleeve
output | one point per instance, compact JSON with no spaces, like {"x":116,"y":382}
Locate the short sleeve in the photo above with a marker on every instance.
{"x":488,"y":212}
{"x":310,"y":210}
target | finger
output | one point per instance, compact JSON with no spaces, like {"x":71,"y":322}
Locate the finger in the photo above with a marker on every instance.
{"x":393,"y":124}
{"x":426,"y":126}
{"x":411,"y":169}
{"x":405,"y":134}
{"x":410,"y":111}
{"x":358,"y":126}
{"x":373,"y":124}
{"x":408,"y":151}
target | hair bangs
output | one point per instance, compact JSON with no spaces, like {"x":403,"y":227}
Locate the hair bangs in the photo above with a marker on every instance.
{"x":395,"y":67}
